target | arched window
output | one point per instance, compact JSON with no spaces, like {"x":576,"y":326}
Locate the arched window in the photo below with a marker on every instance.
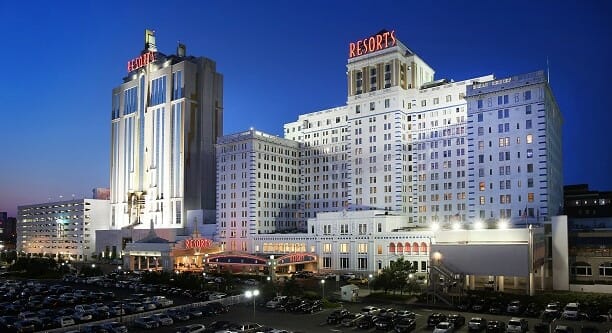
{"x":415,"y":248}
{"x":581,"y":269}
{"x":407,"y":248}
{"x":392,"y":248}
{"x":400,"y":248}
{"x":605,"y":269}
{"x":423,"y":248}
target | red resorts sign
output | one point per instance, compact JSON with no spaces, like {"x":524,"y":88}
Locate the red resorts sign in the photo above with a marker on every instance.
{"x":141,"y":61}
{"x":197,"y":243}
{"x":375,"y":43}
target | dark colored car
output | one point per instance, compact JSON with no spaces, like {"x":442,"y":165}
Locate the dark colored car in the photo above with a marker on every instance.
{"x":337,"y":316}
{"x":479,"y":305}
{"x":456,"y":319}
{"x":532,"y":310}
{"x":385,"y":323}
{"x":217,"y":325}
{"x":497,"y":308}
{"x":366,"y":321}
{"x":434,"y":319}
{"x":496,"y":326}
{"x":405,"y":324}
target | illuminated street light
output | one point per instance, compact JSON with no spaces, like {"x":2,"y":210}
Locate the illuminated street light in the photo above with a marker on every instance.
{"x":456,"y":226}
{"x":502,"y":224}
{"x":323,"y":287}
{"x":478,"y":225}
{"x":435,"y":226}
{"x":252,"y":293}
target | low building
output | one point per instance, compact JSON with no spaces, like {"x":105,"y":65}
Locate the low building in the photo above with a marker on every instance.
{"x":63,"y":229}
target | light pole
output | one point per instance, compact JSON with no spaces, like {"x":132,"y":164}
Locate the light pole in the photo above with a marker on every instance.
{"x":323,"y":287}
{"x":253,"y":294}
{"x":369,"y":278}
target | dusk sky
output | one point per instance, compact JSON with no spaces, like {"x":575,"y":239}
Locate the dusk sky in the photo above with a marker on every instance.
{"x":60,"y":61}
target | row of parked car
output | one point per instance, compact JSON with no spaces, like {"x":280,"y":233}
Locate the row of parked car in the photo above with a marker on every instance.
{"x":294,"y":304}
{"x":373,"y":317}
{"x":171,"y":316}
{"x":571,"y":311}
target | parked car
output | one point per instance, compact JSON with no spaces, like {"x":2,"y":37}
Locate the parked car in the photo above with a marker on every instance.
{"x":336,"y":316}
{"x":514,"y":307}
{"x":63,"y":321}
{"x":434,"y":319}
{"x":195,"y":328}
{"x":370,"y":310}
{"x":405,"y":324}
{"x":116,"y":327}
{"x":178,"y":315}
{"x":477,"y":324}
{"x":456,"y":319}
{"x":351,"y":319}
{"x":496,"y":326}
{"x":563,"y":329}
{"x":444,"y":327}
{"x":532,"y":310}
{"x":517,"y":325}
{"x":147,"y":322}
{"x":367,"y":321}
{"x":275,"y":302}
{"x":163,"y":319}
{"x":571,"y":311}
{"x":552,"y":310}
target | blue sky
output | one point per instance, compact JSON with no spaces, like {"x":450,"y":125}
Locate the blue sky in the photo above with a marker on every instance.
{"x":279,"y":59}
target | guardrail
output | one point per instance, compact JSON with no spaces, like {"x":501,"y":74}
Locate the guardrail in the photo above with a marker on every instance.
{"x":128,"y":320}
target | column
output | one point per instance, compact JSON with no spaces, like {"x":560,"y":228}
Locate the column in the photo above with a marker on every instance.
{"x":542,"y":277}
{"x":531,"y":284}
{"x":147,"y":259}
{"x":139,"y":262}
{"x":500,"y":283}
{"x":515,"y":280}
{"x":472,"y":282}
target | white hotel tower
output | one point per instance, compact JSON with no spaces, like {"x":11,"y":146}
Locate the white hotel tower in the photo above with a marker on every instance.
{"x":398,"y":145}
{"x":166,"y":117}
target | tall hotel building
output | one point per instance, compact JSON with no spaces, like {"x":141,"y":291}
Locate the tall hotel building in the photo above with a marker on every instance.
{"x":166,"y":117}
{"x":408,"y":144}
{"x":514,"y":148}
{"x":398,"y":145}
{"x":257,"y":187}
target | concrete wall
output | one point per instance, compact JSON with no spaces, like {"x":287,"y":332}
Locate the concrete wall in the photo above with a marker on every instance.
{"x":560,"y":264}
{"x":484,"y":259}
{"x":591,"y":288}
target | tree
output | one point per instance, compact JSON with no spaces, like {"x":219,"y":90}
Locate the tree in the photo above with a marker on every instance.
{"x":396,"y":277}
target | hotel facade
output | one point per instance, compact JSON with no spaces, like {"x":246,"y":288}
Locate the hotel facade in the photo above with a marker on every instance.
{"x":350,"y":188}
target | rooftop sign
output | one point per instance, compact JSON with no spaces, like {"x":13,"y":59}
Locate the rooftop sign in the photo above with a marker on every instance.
{"x":141,"y":61}
{"x":380,"y":41}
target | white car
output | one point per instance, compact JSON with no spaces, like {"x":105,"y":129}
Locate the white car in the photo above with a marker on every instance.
{"x":195,"y":328}
{"x":517,"y":325}
{"x":444,"y":327}
{"x":570,"y":311}
{"x":273,"y":303}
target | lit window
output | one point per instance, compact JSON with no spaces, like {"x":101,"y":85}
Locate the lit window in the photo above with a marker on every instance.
{"x":530,"y":197}
{"x":482,"y":186}
{"x":529,"y":138}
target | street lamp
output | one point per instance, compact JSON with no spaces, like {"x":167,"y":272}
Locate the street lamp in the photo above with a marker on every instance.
{"x":323,"y":287}
{"x":253,"y":294}
{"x":369,"y":278}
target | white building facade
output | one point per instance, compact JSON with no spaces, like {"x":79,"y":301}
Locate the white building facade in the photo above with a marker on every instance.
{"x":63,"y":229}
{"x":257,"y":188}
{"x":166,"y":117}
{"x":514,"y":154}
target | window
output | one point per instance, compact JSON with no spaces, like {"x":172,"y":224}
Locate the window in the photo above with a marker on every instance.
{"x":605,"y":269}
{"x":528,"y":109}
{"x":158,"y":91}
{"x":499,"y":100}
{"x":482,"y":186}
{"x":436,"y":100}
{"x":480,"y":103}
{"x":372,"y":106}
{"x":529,"y":138}
{"x":530,"y":197}
{"x":424,"y":102}
{"x":529,"y":168}
{"x":482,"y":200}
{"x":527,"y":95}
{"x":379,"y":249}
{"x":357,"y":108}
{"x":362,"y":263}
{"x":529,"y":182}
{"x":387,"y":103}
{"x":343,"y":248}
{"x":326,"y":262}
{"x":480,"y":130}
{"x":344,"y":263}
{"x":362,"y":248}
{"x":480,"y":117}
{"x":528,"y":124}
{"x":327,"y":248}
{"x":581,"y":269}
{"x":529,"y":153}
{"x":506,"y":99}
